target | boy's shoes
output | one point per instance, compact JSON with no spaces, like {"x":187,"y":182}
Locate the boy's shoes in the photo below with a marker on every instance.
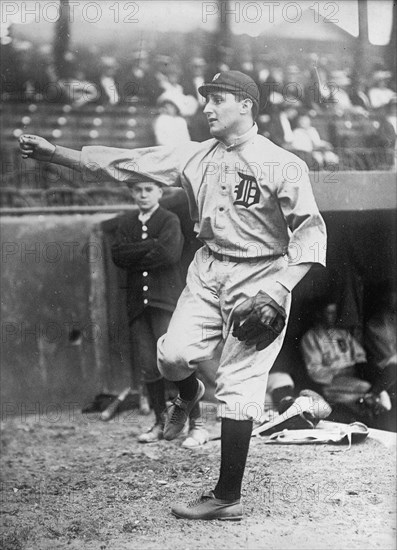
{"x":195,"y":438}
{"x":155,"y":433}
{"x":179,"y":412}
{"x":209,"y":507}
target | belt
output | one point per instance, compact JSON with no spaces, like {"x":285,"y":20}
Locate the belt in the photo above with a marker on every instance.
{"x":237,"y":259}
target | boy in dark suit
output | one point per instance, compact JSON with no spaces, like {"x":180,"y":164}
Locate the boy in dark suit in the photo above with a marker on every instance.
{"x":148,"y":244}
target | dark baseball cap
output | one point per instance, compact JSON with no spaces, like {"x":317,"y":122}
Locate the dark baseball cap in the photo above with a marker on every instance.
{"x":233,"y":82}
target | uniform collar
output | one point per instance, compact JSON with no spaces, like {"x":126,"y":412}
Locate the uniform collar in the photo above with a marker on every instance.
{"x":243,"y":138}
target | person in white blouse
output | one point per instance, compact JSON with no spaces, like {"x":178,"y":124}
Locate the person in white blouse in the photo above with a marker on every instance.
{"x":170,"y":127}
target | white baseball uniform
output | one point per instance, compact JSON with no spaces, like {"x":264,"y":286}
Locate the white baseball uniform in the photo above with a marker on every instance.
{"x":251,"y":201}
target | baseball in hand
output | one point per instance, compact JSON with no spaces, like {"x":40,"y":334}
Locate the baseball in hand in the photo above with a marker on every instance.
{"x":36,"y":147}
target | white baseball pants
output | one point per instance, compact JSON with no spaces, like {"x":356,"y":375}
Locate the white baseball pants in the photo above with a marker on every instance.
{"x":202,"y":319}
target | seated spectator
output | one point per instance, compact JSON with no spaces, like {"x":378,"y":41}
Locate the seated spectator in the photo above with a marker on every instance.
{"x":170,"y":128}
{"x":339,"y":100}
{"x":358,"y":93}
{"x":335,"y":360}
{"x":140,"y":80}
{"x":77,"y":90}
{"x":272,"y":90}
{"x":195,"y":77}
{"x":391,"y":115}
{"x":261,"y":68}
{"x":275,"y":124}
{"x":306,"y":138}
{"x":382,"y":140}
{"x":108,"y":84}
{"x":379,"y":93}
{"x":224,"y":60}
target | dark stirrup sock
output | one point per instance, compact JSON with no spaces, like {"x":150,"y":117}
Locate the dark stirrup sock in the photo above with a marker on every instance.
{"x":156,"y":392}
{"x":235,"y":441}
{"x":187,"y":387}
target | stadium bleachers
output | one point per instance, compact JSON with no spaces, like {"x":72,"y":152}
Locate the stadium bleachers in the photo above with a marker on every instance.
{"x":30,"y":183}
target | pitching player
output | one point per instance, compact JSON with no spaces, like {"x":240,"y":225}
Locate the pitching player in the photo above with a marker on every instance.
{"x":261,"y":229}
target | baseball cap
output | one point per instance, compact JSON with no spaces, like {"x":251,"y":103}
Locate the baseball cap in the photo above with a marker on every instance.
{"x":233,"y":82}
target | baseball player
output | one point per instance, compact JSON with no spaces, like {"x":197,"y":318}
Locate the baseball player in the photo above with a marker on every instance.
{"x":254,"y":210}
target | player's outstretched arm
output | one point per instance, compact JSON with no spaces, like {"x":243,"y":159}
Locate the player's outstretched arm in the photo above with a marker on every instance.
{"x":38,"y":148}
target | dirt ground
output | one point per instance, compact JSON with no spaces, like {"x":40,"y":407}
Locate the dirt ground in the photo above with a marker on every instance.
{"x":71,"y":481}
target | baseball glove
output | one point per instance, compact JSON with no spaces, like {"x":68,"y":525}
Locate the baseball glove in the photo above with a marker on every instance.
{"x":264,"y":321}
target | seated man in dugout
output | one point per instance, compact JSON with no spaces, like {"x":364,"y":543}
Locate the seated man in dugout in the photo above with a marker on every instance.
{"x":337,"y":363}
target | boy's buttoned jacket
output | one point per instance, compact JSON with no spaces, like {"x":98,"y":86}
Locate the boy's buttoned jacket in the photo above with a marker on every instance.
{"x":151,"y":259}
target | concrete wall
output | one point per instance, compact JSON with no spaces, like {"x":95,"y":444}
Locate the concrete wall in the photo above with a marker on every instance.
{"x":54,"y":321}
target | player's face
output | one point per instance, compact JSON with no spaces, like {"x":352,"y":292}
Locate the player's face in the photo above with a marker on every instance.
{"x":146,"y":195}
{"x":223,"y":113}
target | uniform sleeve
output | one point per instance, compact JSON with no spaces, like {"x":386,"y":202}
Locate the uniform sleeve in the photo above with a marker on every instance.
{"x":108,"y":164}
{"x":308,"y":238}
{"x":313,"y":358}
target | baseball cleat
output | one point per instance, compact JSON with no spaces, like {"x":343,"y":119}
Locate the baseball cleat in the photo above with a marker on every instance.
{"x":179,"y":412}
{"x":208,"y":507}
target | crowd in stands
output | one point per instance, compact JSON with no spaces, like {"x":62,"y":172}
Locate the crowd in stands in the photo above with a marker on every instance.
{"x":360,"y":110}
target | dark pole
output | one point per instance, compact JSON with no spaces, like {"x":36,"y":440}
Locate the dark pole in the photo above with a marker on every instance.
{"x":390,"y":54}
{"x":224,"y":31}
{"x":61,"y":38}
{"x":361,"y":65}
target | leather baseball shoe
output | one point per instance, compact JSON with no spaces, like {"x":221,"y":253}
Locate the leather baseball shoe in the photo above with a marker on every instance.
{"x":179,"y":412}
{"x":208,"y":507}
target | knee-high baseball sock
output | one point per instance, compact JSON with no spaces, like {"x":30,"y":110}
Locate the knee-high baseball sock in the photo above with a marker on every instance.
{"x":235,"y":440}
{"x":187,"y":387}
{"x":156,"y":392}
